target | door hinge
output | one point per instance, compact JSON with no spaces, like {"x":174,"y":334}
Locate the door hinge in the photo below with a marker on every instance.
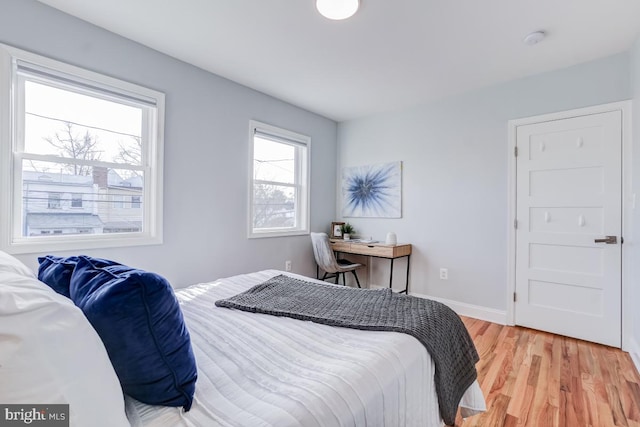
{"x":515,"y":224}
{"x":515,"y":151}
{"x":515,"y":298}
{"x":621,"y":240}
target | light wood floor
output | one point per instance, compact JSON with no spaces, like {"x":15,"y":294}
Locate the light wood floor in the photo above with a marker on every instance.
{"x":533,"y":378}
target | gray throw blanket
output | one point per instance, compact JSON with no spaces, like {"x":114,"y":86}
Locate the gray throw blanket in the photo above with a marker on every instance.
{"x":435,"y":325}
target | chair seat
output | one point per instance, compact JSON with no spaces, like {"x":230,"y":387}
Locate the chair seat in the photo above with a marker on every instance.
{"x":326,"y":260}
{"x":346,"y":265}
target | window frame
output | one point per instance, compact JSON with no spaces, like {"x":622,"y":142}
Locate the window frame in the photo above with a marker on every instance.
{"x":301,"y":184}
{"x":12,"y":148}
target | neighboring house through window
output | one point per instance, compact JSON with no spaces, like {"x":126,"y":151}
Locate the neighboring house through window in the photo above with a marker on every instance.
{"x":279,"y":193}
{"x":72,"y":142}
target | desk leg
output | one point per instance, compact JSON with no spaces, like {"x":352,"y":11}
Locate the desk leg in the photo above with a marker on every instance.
{"x":406,"y":287}
{"x":391,"y":275}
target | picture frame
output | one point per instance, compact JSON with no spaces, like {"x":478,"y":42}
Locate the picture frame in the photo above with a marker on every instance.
{"x":336,"y":230}
{"x":372,"y":191}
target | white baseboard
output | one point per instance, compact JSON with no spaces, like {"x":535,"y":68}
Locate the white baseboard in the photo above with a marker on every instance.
{"x":634,"y":352}
{"x":463,"y":309}
{"x":470,"y":310}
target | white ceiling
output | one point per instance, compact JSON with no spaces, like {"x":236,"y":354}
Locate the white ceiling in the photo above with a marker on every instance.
{"x":391,"y":54}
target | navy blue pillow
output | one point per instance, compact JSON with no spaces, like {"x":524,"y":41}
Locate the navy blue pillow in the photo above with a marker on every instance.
{"x":138,"y":317}
{"x":56,"y":271}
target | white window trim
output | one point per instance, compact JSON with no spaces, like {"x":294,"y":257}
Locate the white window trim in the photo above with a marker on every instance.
{"x":153,"y":194}
{"x":303,"y":200}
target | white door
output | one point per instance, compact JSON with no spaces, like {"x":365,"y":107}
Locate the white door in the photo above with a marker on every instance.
{"x":569,"y":199}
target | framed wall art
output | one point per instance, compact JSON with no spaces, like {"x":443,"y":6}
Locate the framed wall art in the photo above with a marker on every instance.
{"x":372,"y":191}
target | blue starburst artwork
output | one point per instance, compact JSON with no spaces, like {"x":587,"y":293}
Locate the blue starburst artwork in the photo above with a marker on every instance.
{"x":373,"y":191}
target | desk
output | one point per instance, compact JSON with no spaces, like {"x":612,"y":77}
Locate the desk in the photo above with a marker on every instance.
{"x":376,"y":250}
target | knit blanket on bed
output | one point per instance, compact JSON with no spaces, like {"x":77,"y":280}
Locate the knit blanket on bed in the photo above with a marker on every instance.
{"x":435,"y":325}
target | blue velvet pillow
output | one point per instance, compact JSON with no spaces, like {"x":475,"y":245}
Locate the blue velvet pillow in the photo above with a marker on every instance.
{"x":56,"y":271}
{"x":137,"y":315}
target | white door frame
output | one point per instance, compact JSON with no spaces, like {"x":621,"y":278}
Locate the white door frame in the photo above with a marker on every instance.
{"x":627,"y":205}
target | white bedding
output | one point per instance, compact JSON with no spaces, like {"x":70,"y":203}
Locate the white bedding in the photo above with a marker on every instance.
{"x":261,"y":370}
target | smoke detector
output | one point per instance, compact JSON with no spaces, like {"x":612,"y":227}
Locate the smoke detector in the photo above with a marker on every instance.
{"x":534,"y":38}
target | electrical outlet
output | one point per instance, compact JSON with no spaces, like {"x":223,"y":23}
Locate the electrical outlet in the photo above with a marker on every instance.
{"x":287,"y":265}
{"x":444,"y":273}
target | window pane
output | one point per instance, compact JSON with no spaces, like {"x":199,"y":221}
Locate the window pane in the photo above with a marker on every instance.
{"x":273,"y":206}
{"x":54,"y":201}
{"x":64,"y":123}
{"x":76,"y":200}
{"x":60,"y":198}
{"x":273,"y":161}
{"x":136,"y":202}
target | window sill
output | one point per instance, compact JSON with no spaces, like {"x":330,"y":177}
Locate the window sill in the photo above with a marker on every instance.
{"x":261,"y":235}
{"x":79,"y":242}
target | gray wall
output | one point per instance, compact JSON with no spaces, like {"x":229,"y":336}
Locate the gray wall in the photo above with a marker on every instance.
{"x":455,"y":155}
{"x":633,"y":245}
{"x":206,"y":150}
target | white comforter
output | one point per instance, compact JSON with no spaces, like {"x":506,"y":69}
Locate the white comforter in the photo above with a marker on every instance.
{"x":261,"y":370}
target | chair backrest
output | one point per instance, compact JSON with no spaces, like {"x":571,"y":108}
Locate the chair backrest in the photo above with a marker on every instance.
{"x":325,"y":257}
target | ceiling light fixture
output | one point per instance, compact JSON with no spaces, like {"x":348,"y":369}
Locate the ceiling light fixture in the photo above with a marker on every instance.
{"x":534,"y":38}
{"x":337,"y":9}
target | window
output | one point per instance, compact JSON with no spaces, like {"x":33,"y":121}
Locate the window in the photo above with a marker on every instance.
{"x":54,"y":201}
{"x":118,"y":202}
{"x":279,"y":193}
{"x":135,"y":202}
{"x":76,"y":200}
{"x":71,"y":138}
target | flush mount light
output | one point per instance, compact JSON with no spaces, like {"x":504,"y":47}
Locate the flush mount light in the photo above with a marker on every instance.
{"x":534,"y":38}
{"x":337,"y":9}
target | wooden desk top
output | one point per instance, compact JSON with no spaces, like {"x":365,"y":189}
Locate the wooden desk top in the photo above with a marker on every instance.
{"x":370,"y":249}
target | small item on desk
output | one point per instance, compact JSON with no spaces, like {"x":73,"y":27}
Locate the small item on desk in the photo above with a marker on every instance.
{"x":391,"y":238}
{"x":367,"y":240}
{"x":347,"y":230}
{"x":364,"y":240}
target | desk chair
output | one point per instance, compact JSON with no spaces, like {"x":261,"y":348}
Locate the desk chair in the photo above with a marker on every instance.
{"x":326,"y":260}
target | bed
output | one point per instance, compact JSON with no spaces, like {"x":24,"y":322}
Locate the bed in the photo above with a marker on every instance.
{"x":252,"y":369}
{"x":260,"y":370}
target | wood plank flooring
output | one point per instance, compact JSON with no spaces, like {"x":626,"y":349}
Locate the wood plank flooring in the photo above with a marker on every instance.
{"x":533,"y":378}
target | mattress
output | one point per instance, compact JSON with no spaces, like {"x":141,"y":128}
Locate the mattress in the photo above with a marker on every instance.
{"x":261,"y":370}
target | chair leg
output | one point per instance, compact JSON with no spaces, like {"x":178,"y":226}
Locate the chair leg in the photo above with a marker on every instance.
{"x":356,"y":276}
{"x":337,"y":278}
{"x":324,"y":276}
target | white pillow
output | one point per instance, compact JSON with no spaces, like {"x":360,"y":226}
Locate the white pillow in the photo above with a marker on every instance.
{"x":9,"y":264}
{"x":50,"y":353}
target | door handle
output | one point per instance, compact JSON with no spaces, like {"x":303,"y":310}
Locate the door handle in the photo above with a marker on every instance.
{"x":609,"y":240}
